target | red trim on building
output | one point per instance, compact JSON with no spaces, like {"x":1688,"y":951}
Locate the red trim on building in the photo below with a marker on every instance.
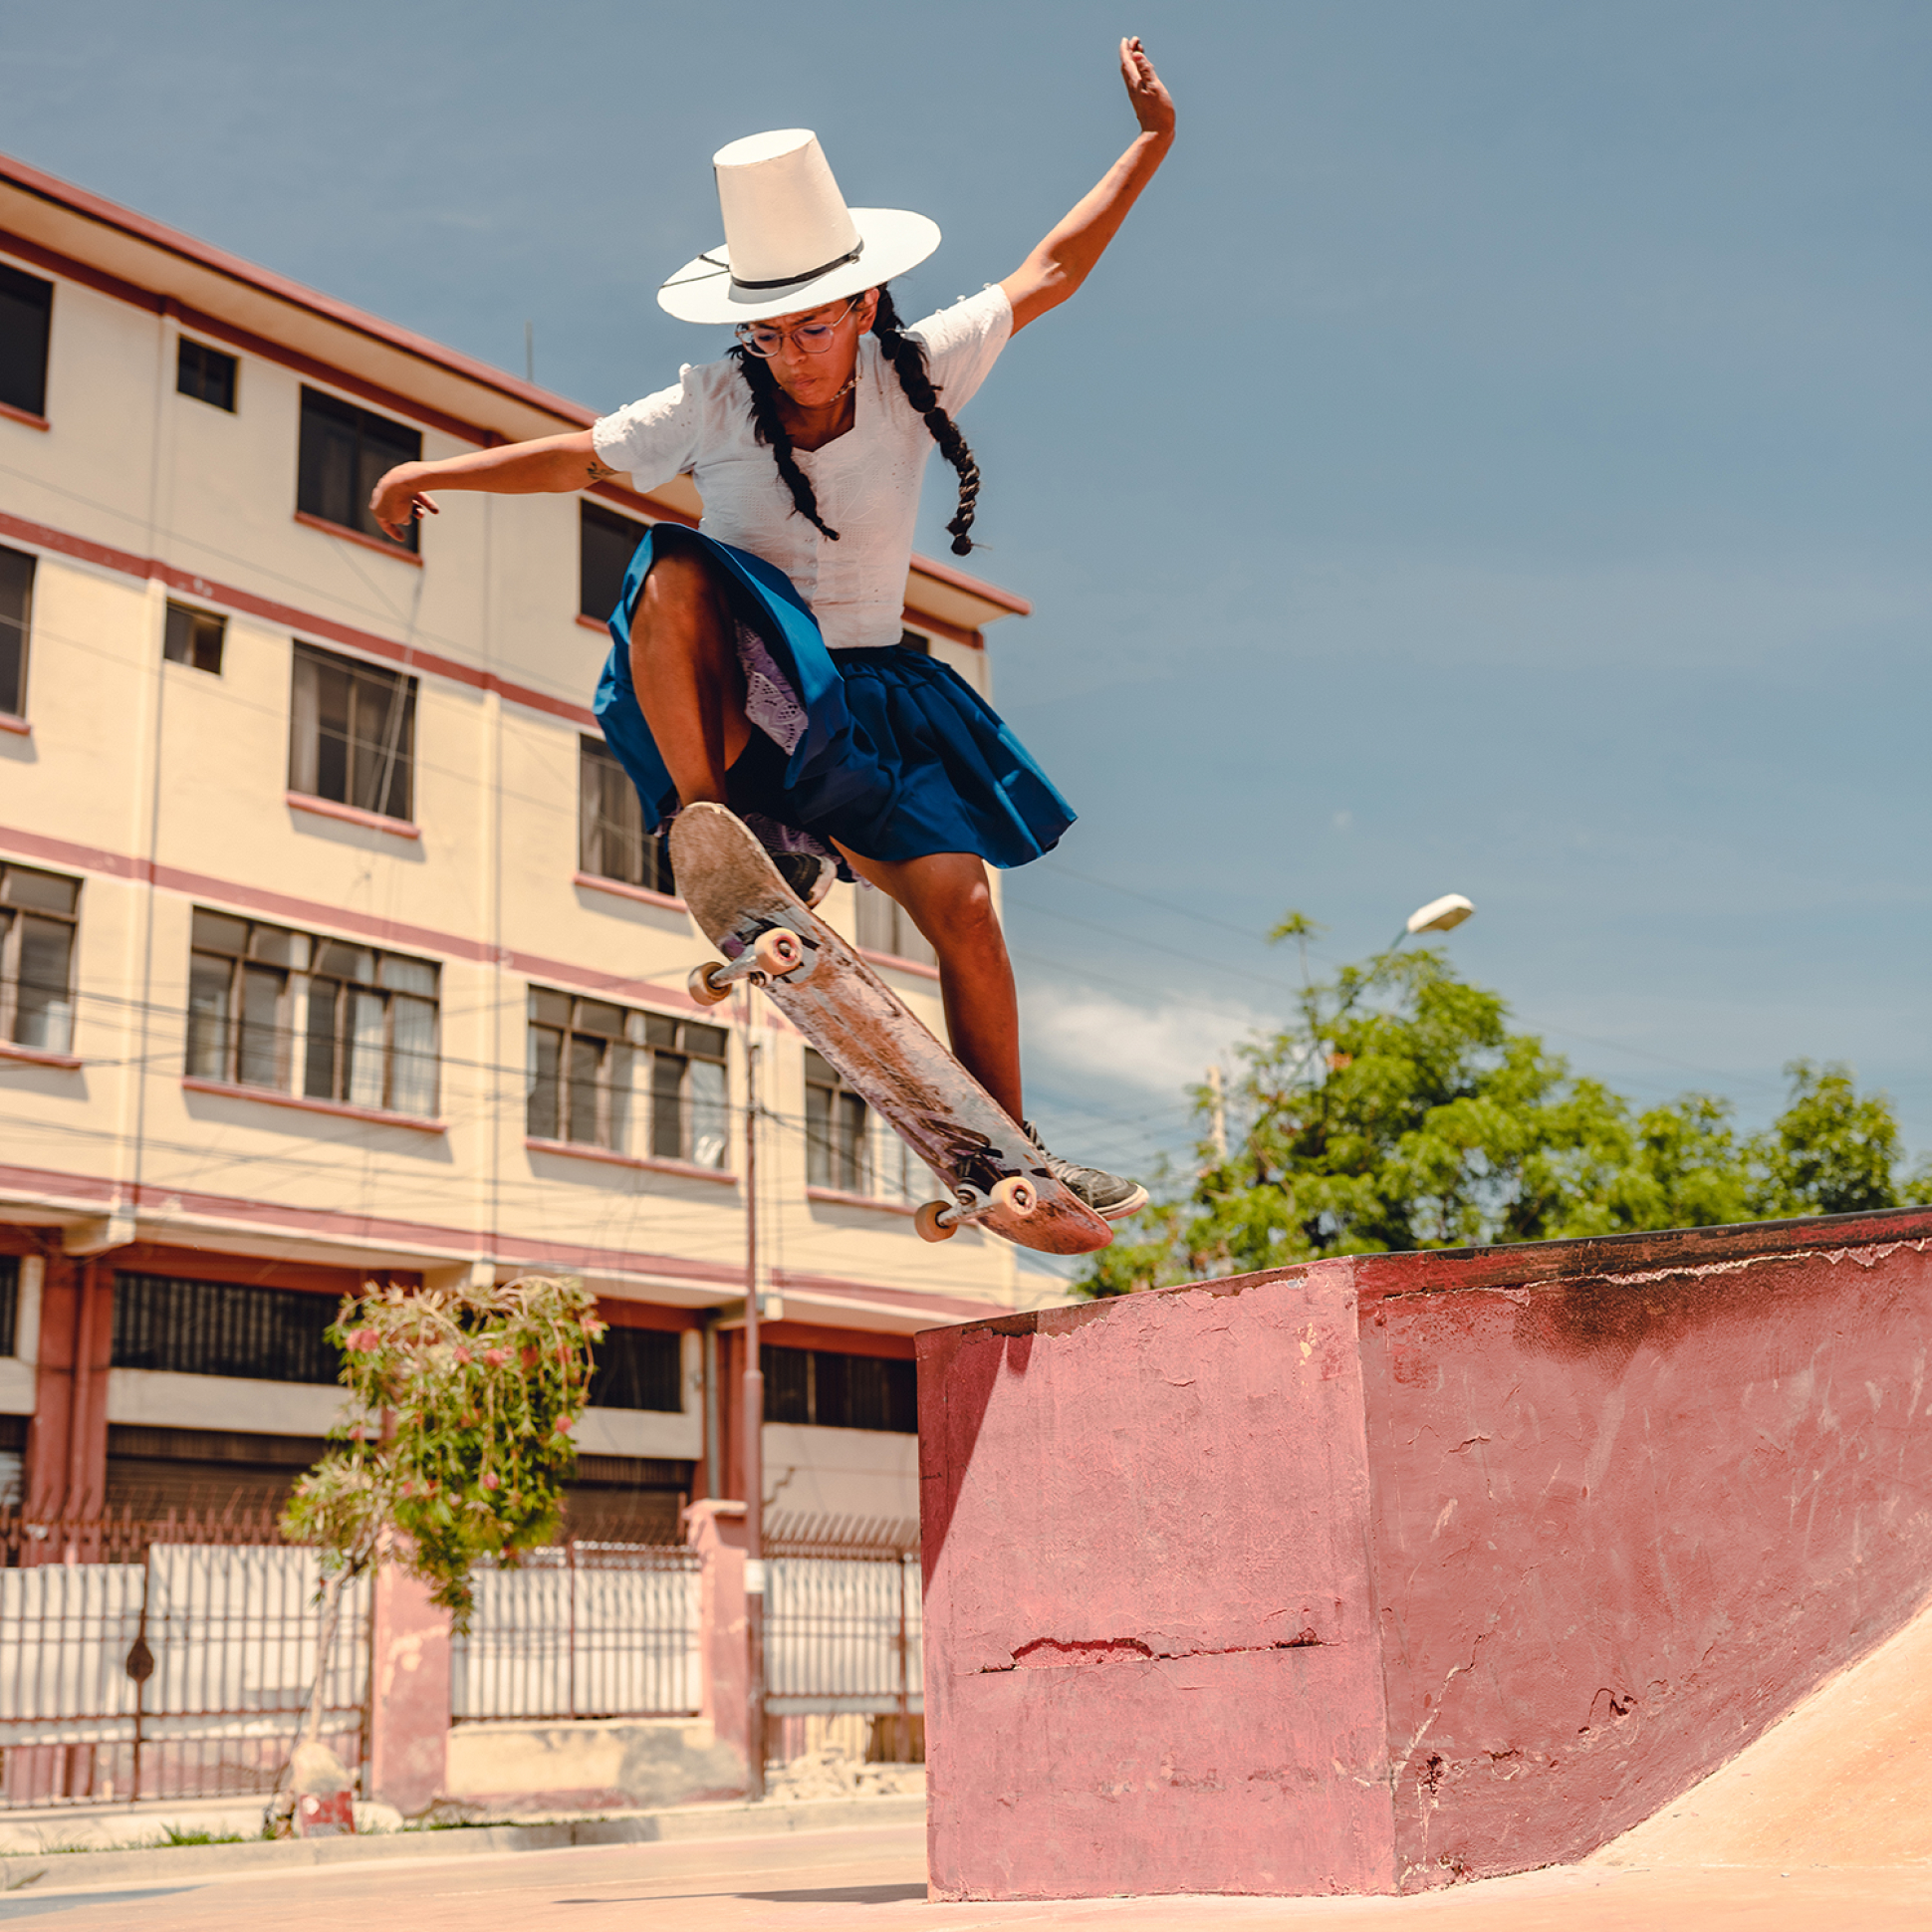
{"x":381,"y":545}
{"x":410,"y":656}
{"x":38,"y":1056}
{"x":352,"y":814}
{"x":9,"y":413}
{"x":577,"y":1150}
{"x":272,"y":1097}
{"x":618,"y":890}
{"x":841,"y":1341}
{"x":645,"y":1314}
{"x":20,"y":726}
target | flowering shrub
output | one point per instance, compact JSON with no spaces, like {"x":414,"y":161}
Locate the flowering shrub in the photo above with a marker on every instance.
{"x":465,"y":1401}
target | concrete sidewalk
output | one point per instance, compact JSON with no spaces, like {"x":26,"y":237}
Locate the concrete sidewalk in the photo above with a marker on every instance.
{"x":876,"y":1878}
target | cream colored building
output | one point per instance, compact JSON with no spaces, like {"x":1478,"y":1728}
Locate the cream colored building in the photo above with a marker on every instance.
{"x":331,"y":952}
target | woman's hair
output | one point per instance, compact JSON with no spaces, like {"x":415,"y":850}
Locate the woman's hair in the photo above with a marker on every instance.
{"x":909,"y":359}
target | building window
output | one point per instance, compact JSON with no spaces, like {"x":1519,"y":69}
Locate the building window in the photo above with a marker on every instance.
{"x":206,"y":374}
{"x":16,"y":621}
{"x":9,"y":1305}
{"x":916,"y":641}
{"x":38,"y":912}
{"x":836,"y":1131}
{"x":343,"y":454}
{"x":26,"y":312}
{"x":834,"y":1391}
{"x":606,"y":544}
{"x":636,"y":1083}
{"x":268,"y":1335}
{"x":194,"y":638}
{"x":323,"y":1018}
{"x":351,"y":732}
{"x":639,"y":1368}
{"x":886,"y":927}
{"x":612,"y":841}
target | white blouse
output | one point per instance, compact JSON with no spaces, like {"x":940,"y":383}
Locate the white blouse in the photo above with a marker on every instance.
{"x":867,"y":481}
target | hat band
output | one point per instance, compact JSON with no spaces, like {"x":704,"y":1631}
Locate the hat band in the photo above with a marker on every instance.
{"x":810,"y":275}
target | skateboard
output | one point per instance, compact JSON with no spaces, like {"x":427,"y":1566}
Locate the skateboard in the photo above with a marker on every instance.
{"x":772,"y":939}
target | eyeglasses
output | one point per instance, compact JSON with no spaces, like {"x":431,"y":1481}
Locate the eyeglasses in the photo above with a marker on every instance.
{"x":813,"y":338}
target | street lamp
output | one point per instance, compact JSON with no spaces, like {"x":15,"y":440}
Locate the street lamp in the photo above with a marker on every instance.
{"x":1439,"y":915}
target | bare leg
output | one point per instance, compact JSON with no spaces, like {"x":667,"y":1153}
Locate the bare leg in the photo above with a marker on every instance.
{"x":684,"y":667}
{"x":951,"y":903}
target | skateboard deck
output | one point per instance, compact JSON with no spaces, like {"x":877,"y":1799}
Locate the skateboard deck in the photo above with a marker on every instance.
{"x":866,"y":1032}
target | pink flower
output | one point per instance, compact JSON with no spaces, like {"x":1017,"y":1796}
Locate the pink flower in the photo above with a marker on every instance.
{"x":462,"y":1356}
{"x":491,"y":1480}
{"x":563,"y":1426}
{"x":495,"y":1357}
{"x":364,"y":1342}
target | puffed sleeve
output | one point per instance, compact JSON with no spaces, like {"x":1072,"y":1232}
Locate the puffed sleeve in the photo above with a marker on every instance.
{"x":654,"y":438}
{"x":964,"y":342}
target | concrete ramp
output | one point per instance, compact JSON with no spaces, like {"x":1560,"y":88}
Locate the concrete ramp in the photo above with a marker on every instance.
{"x":1842,"y":1783}
{"x":1398,"y":1572}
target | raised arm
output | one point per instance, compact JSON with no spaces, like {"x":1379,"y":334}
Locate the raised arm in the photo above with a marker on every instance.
{"x":1066,"y":258}
{"x":556,"y":463}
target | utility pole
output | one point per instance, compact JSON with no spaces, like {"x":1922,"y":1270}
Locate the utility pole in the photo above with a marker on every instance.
{"x":752,"y":1408}
{"x":1217,"y":1116}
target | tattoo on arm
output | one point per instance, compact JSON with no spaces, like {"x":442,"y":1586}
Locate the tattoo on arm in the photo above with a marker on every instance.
{"x":600,"y":472}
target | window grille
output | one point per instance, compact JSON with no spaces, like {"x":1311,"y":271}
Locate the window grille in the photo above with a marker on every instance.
{"x":636,"y":1083}
{"x":611,"y":840}
{"x":828,"y":1390}
{"x":351,"y":732}
{"x":269,"y":1335}
{"x":343,"y":454}
{"x":606,"y":544}
{"x":205,"y":374}
{"x":9,"y":1305}
{"x":639,"y":1368}
{"x":194,"y":638}
{"x":884,"y":927}
{"x":25,"y":316}
{"x":323,"y":1018}
{"x":38,"y":921}
{"x":16,"y":625}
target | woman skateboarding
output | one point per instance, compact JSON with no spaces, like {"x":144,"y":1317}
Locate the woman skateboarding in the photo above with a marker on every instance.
{"x":757,"y":662}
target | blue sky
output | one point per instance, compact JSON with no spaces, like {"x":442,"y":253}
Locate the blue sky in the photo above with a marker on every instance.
{"x":1494,"y":458}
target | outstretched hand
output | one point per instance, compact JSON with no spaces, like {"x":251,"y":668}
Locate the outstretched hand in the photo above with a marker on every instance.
{"x":395,"y":502}
{"x":1153,"y":106}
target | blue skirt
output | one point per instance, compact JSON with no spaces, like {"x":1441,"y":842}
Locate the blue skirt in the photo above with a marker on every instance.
{"x":889,"y":752}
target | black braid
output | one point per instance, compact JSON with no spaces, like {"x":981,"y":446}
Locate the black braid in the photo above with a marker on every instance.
{"x":909,"y":359}
{"x":769,"y":427}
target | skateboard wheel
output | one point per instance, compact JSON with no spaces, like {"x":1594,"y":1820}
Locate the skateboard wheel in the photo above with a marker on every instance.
{"x":779,"y":952}
{"x":1016,"y":1194}
{"x":933,"y":1222}
{"x":700,"y":988}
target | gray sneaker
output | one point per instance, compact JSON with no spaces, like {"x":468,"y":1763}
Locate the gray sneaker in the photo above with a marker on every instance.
{"x":1110,"y":1196}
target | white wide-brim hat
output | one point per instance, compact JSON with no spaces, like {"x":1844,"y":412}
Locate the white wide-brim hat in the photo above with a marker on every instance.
{"x":790,"y":240}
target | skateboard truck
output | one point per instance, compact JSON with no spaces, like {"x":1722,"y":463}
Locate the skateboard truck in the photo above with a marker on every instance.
{"x":941,"y":1220}
{"x":777,"y":953}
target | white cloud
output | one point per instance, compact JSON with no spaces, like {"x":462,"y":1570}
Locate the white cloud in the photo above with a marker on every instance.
{"x":1160,"y":1048}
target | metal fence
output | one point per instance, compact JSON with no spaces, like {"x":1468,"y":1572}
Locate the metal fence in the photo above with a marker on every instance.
{"x":842,"y":1618}
{"x":165,"y":1660}
{"x":583,"y":1629}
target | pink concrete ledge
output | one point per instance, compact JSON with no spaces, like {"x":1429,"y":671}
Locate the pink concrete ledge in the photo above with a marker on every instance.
{"x":652,"y":1163}
{"x":18,"y":726}
{"x":38,"y":1056}
{"x":1384,"y":1574}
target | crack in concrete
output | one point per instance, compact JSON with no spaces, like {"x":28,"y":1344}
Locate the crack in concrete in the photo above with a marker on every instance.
{"x":1055,"y":1653}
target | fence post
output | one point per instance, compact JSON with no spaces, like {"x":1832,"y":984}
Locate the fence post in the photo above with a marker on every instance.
{"x":716,"y":1531}
{"x":409,"y":1739}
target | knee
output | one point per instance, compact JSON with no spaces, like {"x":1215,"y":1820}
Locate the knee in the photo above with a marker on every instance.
{"x":964,"y":918}
{"x":679,"y":581}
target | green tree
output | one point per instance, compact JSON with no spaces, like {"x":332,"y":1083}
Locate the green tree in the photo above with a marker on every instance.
{"x":1398,"y":1110}
{"x":464,"y":1400}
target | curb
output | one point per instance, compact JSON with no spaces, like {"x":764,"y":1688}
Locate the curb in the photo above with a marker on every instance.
{"x":38,"y":1874}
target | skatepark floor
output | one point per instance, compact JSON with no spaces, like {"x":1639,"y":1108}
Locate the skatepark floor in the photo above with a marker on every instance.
{"x":1821,"y":1823}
